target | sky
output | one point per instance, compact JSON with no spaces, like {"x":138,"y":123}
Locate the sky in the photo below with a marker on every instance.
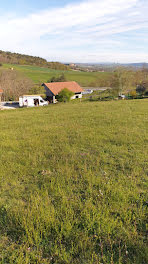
{"x":86,"y":31}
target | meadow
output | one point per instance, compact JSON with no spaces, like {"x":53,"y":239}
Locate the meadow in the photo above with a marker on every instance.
{"x":73,"y":183}
{"x":40,"y":74}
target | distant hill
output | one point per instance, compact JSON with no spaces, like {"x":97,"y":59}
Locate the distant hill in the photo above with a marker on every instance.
{"x":136,"y":65}
{"x":109,"y":65}
{"x":21,"y":59}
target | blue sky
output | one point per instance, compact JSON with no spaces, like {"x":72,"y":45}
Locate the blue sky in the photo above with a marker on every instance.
{"x":25,"y":6}
{"x":76,"y":31}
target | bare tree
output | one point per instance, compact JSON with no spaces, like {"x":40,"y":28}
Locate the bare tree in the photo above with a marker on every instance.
{"x":14,"y":84}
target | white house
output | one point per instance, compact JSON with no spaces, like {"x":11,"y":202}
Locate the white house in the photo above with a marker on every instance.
{"x":53,"y":89}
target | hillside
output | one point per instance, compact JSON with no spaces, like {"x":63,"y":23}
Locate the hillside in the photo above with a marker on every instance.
{"x":73,"y":183}
{"x":28,"y":79}
{"x":13,"y":82}
{"x":22,"y":59}
{"x":112,"y":66}
{"x":43,"y":74}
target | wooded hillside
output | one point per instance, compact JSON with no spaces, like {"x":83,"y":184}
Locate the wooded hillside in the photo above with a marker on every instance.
{"x":16,"y":58}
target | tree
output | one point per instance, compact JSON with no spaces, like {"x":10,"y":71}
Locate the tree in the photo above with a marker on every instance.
{"x":38,"y":89}
{"x":115,"y":85}
{"x":122,"y":80}
{"x":65,"y":95}
{"x":53,"y":79}
{"x":61,"y":78}
{"x":141,"y":89}
{"x":14,"y":84}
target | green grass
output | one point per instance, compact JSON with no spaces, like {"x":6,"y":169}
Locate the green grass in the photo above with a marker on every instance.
{"x":73,"y":181}
{"x":40,"y":75}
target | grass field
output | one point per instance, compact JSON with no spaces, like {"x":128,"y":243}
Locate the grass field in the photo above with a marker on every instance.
{"x":73,"y":181}
{"x":40,"y":75}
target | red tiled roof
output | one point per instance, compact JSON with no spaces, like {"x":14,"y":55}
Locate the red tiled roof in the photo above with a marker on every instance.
{"x":1,"y":91}
{"x":56,"y":87}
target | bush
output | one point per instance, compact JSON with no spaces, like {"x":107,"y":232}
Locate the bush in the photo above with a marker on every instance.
{"x":65,"y":95}
{"x":133,"y":94}
{"x":61,"y":78}
{"x":141,"y":89}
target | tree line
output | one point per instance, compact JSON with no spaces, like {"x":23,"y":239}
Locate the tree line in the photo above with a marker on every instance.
{"x":124,"y":80}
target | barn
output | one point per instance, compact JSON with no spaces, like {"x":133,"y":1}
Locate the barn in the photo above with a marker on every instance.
{"x":54,"y":88}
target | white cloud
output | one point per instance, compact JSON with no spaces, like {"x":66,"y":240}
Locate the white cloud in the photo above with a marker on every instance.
{"x":72,"y":32}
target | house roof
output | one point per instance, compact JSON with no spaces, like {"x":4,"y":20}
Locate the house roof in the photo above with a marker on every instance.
{"x":57,"y":87}
{"x":1,"y":91}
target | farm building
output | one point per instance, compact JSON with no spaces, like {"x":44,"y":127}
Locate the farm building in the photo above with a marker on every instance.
{"x":1,"y":92}
{"x":53,"y":89}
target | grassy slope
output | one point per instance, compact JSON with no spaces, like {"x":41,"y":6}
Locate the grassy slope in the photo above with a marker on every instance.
{"x":73,"y":183}
{"x":40,"y":75}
